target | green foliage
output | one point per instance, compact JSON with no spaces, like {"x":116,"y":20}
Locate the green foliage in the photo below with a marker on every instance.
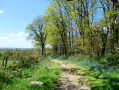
{"x":37,"y":32}
{"x":20,"y":78}
{"x":111,"y":60}
{"x":0,"y":54}
{"x":84,"y":33}
{"x":4,"y":79}
{"x":25,"y":57}
{"x":7,"y":52}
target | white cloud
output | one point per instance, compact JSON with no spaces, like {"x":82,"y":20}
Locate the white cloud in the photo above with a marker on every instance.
{"x":21,"y":34}
{"x":12,"y":34}
{"x":16,"y":40}
{"x":16,"y":44}
{"x":18,"y":34}
{"x":5,"y":39}
{"x":21,"y":39}
{"x":1,"y":11}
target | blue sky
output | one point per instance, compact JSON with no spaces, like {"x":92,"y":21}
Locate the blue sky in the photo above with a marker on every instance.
{"x":15,"y":15}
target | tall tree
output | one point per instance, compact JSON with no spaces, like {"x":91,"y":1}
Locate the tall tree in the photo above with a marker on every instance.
{"x":57,"y":15}
{"x":74,"y":26}
{"x":37,"y":32}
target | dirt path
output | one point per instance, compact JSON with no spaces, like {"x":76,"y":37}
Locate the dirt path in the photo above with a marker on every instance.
{"x":71,"y":77}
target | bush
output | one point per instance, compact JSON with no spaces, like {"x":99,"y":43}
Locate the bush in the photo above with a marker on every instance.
{"x":0,"y":54}
{"x":26,"y":57}
{"x":4,"y":79}
{"x":113,"y":60}
{"x":8,"y":52}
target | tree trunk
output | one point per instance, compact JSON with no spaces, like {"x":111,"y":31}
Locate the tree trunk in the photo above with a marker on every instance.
{"x":6,"y":61}
{"x":3,"y":61}
{"x":112,"y":32}
{"x":104,"y":42}
{"x":42,"y":49}
{"x":103,"y":50}
{"x":112,"y":39}
{"x":116,"y":36}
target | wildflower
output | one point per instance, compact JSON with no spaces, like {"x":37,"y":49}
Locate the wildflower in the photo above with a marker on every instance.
{"x":117,"y":69}
{"x":113,"y":68}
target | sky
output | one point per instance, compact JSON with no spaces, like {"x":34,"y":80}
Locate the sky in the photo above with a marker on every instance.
{"x":15,"y":15}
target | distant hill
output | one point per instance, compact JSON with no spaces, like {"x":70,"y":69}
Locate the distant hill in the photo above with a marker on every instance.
{"x":13,"y":48}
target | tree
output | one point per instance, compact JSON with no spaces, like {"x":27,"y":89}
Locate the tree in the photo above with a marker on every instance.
{"x":74,"y":27}
{"x":56,"y":15}
{"x":116,"y":3}
{"x":37,"y":32}
{"x":6,"y":55}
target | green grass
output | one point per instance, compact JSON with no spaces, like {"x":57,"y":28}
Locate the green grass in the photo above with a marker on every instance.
{"x":15,"y":78}
{"x":99,"y":76}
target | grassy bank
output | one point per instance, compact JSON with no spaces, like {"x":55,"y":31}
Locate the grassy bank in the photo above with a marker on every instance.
{"x":99,"y":76}
{"x":15,"y":78}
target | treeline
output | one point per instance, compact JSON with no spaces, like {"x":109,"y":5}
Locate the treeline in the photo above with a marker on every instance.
{"x":78,"y":26}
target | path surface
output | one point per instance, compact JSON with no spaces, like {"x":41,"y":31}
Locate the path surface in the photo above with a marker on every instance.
{"x":71,"y":77}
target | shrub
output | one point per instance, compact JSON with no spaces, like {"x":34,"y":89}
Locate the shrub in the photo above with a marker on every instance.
{"x":110,"y":60}
{"x":26,"y":57}
{"x":113,"y":60}
{"x":0,"y":54}
{"x":8,"y":52}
